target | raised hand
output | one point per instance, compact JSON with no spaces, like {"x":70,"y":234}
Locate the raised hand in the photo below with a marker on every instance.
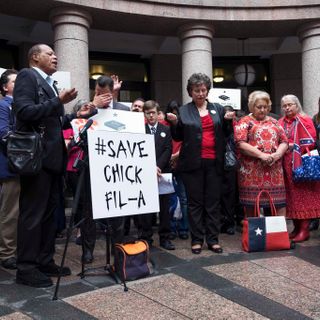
{"x":172,"y":118}
{"x":66,"y":96}
{"x":116,"y":83}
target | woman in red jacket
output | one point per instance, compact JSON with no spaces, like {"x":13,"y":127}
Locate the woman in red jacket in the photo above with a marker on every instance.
{"x":303,"y":202}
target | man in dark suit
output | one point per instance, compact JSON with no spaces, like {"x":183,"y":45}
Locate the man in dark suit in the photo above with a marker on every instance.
{"x":103,"y":99}
{"x":163,"y":145}
{"x":39,"y":107}
{"x":104,"y":95}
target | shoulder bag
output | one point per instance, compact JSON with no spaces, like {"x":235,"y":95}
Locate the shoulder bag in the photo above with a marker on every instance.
{"x":24,"y":152}
{"x":25,"y":148}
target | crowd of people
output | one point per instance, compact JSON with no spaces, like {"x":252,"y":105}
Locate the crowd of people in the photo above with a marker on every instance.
{"x":190,"y":141}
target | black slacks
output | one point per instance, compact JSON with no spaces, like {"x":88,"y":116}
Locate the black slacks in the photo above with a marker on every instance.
{"x":164,"y":223}
{"x":203,"y":187}
{"x":39,"y":198}
{"x":228,"y":197}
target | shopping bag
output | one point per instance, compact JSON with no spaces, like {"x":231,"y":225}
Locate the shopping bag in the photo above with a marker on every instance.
{"x":265,"y":233}
{"x":305,"y":167}
{"x":310,"y":169}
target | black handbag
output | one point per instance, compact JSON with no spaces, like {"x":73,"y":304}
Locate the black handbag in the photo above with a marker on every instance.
{"x":230,"y":157}
{"x":24,"y":152}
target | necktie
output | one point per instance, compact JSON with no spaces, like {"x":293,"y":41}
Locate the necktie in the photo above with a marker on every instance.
{"x":153,"y":130}
{"x":50,"y":82}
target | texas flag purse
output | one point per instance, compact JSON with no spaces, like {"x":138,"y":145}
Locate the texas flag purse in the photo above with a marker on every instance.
{"x":265,"y":233}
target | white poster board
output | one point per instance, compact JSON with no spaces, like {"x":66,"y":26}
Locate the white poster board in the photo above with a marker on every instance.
{"x":112,"y":120}
{"x":119,"y":120}
{"x":226,"y":97}
{"x":63,"y":80}
{"x":123,"y":174}
{"x":165,"y":184}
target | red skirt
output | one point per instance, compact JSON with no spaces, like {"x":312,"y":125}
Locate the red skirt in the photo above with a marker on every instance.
{"x":303,"y":198}
{"x":254,"y":176}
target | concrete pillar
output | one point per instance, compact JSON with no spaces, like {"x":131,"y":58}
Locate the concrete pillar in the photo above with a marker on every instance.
{"x":309,"y":35}
{"x":71,"y":27}
{"x":196,"y":53}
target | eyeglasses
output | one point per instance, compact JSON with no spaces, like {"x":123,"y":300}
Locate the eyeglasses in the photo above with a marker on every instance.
{"x":284,"y":106}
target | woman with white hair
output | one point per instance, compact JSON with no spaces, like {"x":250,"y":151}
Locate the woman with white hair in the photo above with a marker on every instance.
{"x":303,"y":202}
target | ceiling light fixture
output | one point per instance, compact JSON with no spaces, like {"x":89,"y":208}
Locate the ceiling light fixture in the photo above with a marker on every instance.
{"x":96,"y":75}
{"x":218,"y":75}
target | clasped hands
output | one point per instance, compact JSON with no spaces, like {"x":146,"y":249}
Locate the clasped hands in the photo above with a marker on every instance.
{"x":269,"y":159}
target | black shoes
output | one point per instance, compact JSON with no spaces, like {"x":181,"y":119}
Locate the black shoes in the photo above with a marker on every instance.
{"x":196,"y":248}
{"x":53,"y":270}
{"x":10,"y":263}
{"x":183,"y":236}
{"x":167,"y":244}
{"x":215,"y":248}
{"x":79,"y":241}
{"x":87,"y":257}
{"x":33,"y":278}
{"x":172,"y":236}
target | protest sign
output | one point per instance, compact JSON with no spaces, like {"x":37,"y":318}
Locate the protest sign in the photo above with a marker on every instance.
{"x":119,"y":120}
{"x":112,"y":120}
{"x":122,"y":173}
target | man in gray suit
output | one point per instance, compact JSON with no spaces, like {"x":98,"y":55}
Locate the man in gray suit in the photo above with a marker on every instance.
{"x":103,"y":99}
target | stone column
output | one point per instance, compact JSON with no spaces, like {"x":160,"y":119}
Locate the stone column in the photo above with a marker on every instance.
{"x":196,"y":53}
{"x":309,"y":35}
{"x":71,"y":27}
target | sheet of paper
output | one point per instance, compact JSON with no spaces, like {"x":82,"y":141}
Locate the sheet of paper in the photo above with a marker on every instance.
{"x":165,"y":184}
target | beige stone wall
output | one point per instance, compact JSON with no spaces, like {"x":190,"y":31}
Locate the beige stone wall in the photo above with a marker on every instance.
{"x":231,"y":10}
{"x":237,"y":3}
